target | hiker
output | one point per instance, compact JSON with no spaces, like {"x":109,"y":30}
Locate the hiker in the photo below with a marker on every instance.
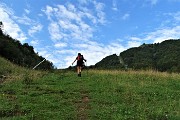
{"x":80,"y":62}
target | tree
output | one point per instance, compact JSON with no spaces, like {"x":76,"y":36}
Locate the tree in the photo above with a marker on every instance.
{"x":1,"y":25}
{"x":22,"y":55}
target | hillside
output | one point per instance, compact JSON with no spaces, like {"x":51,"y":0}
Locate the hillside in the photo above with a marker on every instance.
{"x":161,"y":56}
{"x":13,"y":72}
{"x":98,"y":95}
{"x":21,"y":54}
{"x":110,"y":62}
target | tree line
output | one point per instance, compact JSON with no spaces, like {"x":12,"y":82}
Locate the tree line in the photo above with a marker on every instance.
{"x":159,"y":56}
{"x":21,"y":54}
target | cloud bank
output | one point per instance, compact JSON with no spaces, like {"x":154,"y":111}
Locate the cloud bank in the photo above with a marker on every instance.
{"x":72,"y":30}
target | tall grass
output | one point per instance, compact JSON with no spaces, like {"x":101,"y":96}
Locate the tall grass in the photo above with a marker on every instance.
{"x":135,"y":95}
{"x":13,"y":72}
{"x":97,"y":95}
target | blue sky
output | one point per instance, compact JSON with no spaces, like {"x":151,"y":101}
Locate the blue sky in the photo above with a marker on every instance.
{"x":59,"y":29}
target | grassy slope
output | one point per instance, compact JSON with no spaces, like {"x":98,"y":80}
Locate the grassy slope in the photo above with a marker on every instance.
{"x":14,"y":72}
{"x":96,"y":95}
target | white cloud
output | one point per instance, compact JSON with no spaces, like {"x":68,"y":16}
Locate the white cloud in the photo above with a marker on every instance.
{"x":100,"y":12}
{"x":35,"y":29}
{"x":54,"y":31}
{"x":93,"y":51}
{"x":48,"y":11}
{"x":96,"y":52}
{"x":62,"y":12}
{"x":114,"y":5}
{"x":84,"y":2}
{"x":60,"y":45}
{"x":135,"y":38}
{"x":27,"y":11}
{"x":76,"y":25}
{"x":175,"y":15}
{"x":12,"y":23}
{"x":158,"y":35}
{"x":164,"y":34}
{"x":152,"y":2}
{"x":71,"y":7}
{"x":169,"y":29}
{"x":65,"y":51}
{"x":125,"y":16}
{"x":24,"y":20}
{"x":63,"y":57}
{"x":5,"y":8}
{"x":69,"y":22}
{"x":10,"y":26}
{"x":35,"y":42}
{"x":133,"y":44}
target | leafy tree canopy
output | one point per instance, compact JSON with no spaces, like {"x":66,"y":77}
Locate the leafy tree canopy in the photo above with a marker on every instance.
{"x":22,"y":55}
{"x":159,"y":56}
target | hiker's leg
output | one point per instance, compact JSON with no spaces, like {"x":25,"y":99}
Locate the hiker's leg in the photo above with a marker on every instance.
{"x":77,"y":69}
{"x":80,"y":69}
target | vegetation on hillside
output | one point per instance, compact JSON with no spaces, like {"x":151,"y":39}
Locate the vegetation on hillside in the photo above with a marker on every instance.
{"x":13,"y":72}
{"x":97,"y":95}
{"x":160,"y":56}
{"x":21,"y":54}
{"x":110,"y":62}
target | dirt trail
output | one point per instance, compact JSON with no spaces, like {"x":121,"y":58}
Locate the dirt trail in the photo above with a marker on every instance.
{"x":83,"y":106}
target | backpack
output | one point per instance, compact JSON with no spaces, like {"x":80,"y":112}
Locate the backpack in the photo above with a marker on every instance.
{"x":80,"y":57}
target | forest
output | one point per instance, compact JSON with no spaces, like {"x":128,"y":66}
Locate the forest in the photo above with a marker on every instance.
{"x":159,"y":56}
{"x":21,"y":54}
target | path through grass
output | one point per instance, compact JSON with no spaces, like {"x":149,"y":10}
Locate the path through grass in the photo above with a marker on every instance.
{"x":97,"y":95}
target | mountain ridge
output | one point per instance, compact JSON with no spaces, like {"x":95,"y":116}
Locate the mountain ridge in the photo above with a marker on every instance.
{"x":158,"y":56}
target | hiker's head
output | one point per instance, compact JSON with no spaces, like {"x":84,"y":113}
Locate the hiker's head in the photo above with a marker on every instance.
{"x":79,"y":53}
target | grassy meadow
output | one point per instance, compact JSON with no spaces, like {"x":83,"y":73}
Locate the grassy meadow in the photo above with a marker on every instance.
{"x":97,"y":95}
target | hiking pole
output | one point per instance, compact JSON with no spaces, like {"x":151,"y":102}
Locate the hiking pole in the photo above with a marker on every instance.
{"x":39,"y":63}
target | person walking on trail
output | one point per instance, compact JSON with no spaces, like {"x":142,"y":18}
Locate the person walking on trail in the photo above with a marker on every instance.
{"x":80,"y":62}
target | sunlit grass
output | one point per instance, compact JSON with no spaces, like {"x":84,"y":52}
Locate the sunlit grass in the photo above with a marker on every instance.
{"x":13,"y":72}
{"x":98,"y":94}
{"x":135,"y":95}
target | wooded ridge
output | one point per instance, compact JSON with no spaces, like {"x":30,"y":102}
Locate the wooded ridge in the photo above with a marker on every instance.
{"x":163,"y":56}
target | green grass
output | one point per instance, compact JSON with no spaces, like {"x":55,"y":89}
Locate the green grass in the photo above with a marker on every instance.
{"x":97,"y":95}
{"x":146,"y":96}
{"x":13,"y":72}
